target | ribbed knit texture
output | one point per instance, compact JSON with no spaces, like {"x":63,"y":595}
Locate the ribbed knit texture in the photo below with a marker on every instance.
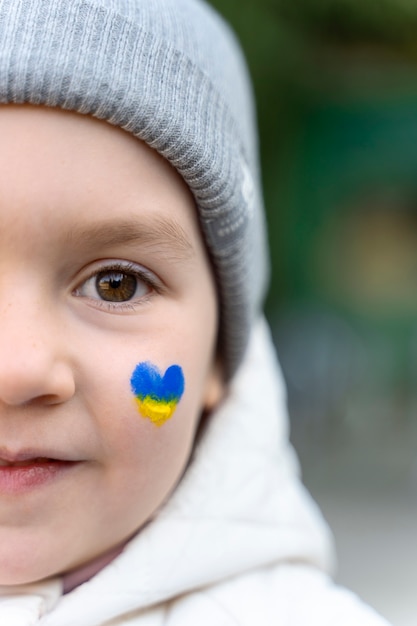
{"x":170,"y":72}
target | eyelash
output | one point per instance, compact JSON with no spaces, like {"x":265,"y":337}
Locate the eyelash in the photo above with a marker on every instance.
{"x":127,"y":268}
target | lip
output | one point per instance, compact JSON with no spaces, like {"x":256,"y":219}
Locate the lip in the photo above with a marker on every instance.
{"x":29,"y":470}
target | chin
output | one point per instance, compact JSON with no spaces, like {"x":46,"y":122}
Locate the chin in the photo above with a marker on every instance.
{"x":20,"y":563}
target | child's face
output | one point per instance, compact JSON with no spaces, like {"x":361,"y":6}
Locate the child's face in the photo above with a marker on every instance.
{"x":102,"y":267}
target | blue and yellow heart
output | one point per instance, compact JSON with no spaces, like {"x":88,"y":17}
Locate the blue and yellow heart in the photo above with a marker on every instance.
{"x":157,"y":396}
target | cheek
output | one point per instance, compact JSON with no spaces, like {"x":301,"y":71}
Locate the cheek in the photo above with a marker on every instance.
{"x":145,"y":454}
{"x":140,"y":456}
{"x":148,"y":420}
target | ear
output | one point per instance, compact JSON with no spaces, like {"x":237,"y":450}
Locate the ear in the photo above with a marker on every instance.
{"x":215,"y":387}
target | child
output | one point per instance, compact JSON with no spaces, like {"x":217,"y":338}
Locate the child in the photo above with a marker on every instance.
{"x":145,"y":471}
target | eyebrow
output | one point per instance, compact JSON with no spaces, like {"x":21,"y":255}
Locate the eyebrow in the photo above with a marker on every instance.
{"x":165,"y":234}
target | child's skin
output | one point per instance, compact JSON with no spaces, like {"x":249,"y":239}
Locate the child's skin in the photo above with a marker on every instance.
{"x":78,"y":197}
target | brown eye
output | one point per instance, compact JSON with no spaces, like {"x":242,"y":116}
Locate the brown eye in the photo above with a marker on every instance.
{"x":116,"y":286}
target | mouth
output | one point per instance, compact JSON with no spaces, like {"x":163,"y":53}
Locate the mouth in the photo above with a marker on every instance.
{"x":27,"y":471}
{"x":32,"y":461}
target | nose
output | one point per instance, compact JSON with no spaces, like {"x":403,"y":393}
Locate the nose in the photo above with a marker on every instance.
{"x":33,"y":367}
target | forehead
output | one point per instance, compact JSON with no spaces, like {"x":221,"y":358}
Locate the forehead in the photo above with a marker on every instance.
{"x":67,"y":170}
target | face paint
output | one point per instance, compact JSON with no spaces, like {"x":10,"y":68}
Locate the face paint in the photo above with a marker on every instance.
{"x":157,"y":396}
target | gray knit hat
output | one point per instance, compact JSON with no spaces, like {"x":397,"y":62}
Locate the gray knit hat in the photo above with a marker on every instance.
{"x":169,"y":72}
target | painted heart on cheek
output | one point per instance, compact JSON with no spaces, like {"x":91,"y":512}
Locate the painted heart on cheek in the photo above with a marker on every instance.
{"x":157,"y":396}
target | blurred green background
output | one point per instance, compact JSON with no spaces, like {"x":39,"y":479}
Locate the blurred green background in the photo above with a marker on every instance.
{"x":336,"y":90}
